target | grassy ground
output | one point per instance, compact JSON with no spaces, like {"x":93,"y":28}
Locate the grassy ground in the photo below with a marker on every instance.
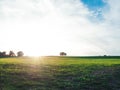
{"x":59,"y":73}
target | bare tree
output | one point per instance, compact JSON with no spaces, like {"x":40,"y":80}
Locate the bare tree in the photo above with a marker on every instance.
{"x":11,"y":53}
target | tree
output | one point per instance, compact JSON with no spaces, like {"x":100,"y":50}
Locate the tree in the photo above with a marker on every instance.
{"x":63,"y":54}
{"x":11,"y":53}
{"x":20,"y":54}
{"x":0,"y":53}
{"x":3,"y":54}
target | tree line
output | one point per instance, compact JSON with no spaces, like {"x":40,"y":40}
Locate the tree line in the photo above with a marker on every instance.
{"x":11,"y":54}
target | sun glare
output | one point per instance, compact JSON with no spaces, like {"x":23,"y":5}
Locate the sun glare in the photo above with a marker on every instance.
{"x":45,"y":39}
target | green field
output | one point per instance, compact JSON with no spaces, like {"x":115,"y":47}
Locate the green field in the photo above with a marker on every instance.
{"x":59,"y":73}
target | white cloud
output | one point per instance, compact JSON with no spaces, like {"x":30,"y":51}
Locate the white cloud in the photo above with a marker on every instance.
{"x":113,"y":12}
{"x":45,"y":25}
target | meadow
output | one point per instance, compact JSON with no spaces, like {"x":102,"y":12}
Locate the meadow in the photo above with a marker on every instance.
{"x":59,"y":73}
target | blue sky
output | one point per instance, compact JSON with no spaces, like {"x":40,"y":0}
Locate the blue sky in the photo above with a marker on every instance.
{"x":93,"y":4}
{"x":96,"y":6}
{"x":47,"y":27}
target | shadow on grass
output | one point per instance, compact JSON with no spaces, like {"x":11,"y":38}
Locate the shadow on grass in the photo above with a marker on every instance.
{"x":59,"y":77}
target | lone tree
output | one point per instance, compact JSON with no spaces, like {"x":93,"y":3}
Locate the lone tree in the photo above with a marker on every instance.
{"x":20,"y":54}
{"x":11,"y":54}
{"x":63,"y":54}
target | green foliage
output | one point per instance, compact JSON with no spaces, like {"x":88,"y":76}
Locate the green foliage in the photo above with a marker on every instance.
{"x":59,"y":73}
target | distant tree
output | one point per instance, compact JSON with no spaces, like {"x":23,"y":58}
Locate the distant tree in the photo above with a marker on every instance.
{"x":105,"y":55}
{"x":63,"y":54}
{"x":20,"y":54}
{"x":0,"y":53}
{"x":11,"y":53}
{"x":3,"y":54}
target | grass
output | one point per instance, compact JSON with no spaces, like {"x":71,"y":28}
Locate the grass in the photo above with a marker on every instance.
{"x":59,"y":73}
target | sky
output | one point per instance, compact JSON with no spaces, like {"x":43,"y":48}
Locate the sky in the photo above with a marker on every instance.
{"x":48,"y":27}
